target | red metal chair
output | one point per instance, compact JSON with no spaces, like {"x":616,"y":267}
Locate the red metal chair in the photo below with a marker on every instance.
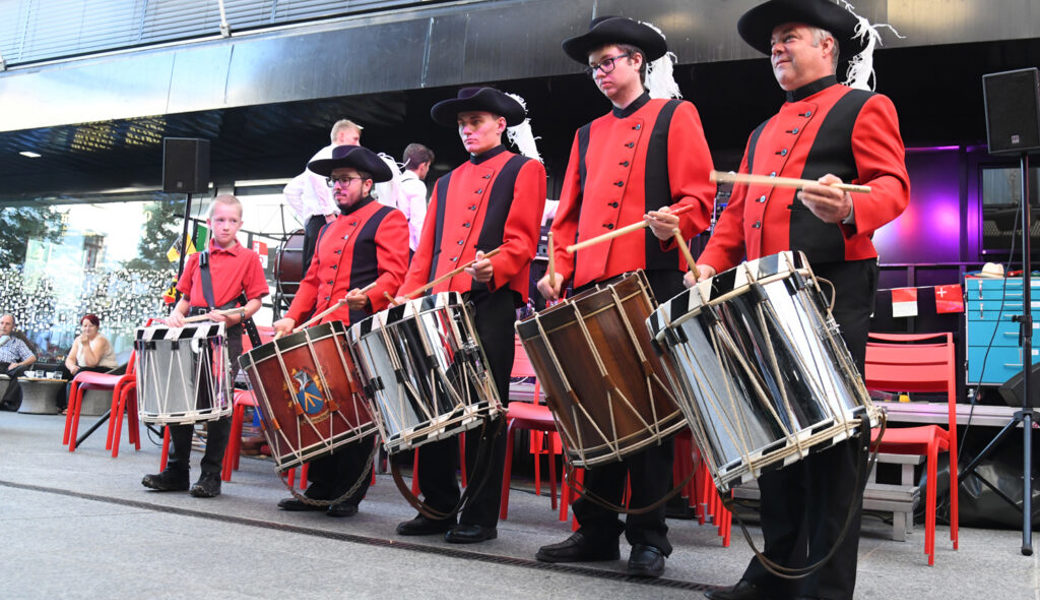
{"x":538,"y":420}
{"x":919,"y":363}
{"x":89,"y":380}
{"x":124,"y":402}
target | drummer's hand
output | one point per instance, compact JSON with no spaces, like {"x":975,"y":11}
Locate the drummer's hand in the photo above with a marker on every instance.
{"x":218,"y":317}
{"x":705,"y":272}
{"x":284,"y":326}
{"x":827,"y":202}
{"x":482,"y":270}
{"x":550,"y":292}
{"x":175,"y":319}
{"x":662,"y":222}
{"x":357,"y":300}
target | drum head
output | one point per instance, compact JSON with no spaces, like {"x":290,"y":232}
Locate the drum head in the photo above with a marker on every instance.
{"x":288,"y":266}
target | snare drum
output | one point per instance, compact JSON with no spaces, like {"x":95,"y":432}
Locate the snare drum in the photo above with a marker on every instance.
{"x":182,"y":373}
{"x":424,"y":371}
{"x":307,"y":391}
{"x":762,"y":373}
{"x":604,"y":383}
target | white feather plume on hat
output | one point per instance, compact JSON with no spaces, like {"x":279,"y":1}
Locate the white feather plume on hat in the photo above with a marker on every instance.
{"x":522,"y":136}
{"x":860,"y":73}
{"x":660,"y":76}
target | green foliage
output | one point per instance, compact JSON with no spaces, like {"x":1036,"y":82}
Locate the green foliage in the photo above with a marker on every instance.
{"x":19,"y":225}
{"x":161,"y":230}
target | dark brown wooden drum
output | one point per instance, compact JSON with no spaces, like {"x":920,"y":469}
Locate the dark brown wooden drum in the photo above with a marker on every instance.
{"x":308,"y":393}
{"x":605,"y":385}
{"x":288,"y":266}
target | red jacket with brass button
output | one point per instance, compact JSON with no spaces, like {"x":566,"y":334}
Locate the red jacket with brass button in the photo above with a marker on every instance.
{"x":622,"y":165}
{"x":822,"y":128}
{"x":495,"y":199}
{"x":368,"y":244}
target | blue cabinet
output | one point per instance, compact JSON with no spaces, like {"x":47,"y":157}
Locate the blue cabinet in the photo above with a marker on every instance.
{"x":994,"y":355}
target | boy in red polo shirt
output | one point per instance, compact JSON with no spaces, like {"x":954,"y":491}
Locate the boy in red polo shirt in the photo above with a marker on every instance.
{"x":235,"y":273}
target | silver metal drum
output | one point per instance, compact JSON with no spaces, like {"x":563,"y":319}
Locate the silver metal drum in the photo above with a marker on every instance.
{"x":424,"y":371}
{"x":762,"y":374}
{"x":183,"y":374}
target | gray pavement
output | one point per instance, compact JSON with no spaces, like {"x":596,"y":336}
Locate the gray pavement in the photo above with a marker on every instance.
{"x":80,"y":525}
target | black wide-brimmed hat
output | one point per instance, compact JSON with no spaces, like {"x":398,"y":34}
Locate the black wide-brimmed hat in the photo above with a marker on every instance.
{"x":484,"y":99}
{"x":355,"y":157}
{"x":616,"y":30}
{"x":756,"y":25}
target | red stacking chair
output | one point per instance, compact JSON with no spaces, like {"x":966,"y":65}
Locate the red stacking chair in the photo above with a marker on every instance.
{"x":89,"y":380}
{"x":919,"y":363}
{"x":538,"y":420}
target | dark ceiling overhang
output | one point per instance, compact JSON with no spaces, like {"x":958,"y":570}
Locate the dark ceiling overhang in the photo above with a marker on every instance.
{"x":266,"y":98}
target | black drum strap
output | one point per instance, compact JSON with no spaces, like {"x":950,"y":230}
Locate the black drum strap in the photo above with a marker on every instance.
{"x":207,"y":293}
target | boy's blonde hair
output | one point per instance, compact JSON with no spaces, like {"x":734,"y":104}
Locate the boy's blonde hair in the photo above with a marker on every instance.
{"x":226,"y":199}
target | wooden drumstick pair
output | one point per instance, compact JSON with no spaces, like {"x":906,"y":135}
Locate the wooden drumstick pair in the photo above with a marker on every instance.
{"x":618,"y":232}
{"x":446,"y":276}
{"x":227,"y":313}
{"x":332,"y":308}
{"x":719,"y":176}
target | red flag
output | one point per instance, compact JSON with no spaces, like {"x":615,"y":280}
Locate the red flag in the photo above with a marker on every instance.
{"x":949,"y":298}
{"x":904,"y":302}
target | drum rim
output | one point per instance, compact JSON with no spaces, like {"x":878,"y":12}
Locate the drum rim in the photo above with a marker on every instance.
{"x":600,"y":297}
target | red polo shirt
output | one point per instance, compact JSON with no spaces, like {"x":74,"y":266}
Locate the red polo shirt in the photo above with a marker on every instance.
{"x":234,"y":270}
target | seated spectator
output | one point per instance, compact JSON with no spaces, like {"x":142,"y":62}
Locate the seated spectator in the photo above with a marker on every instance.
{"x":15,"y":358}
{"x":91,"y":351}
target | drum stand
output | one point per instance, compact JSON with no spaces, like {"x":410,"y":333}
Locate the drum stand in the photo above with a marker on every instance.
{"x":1027,"y":416}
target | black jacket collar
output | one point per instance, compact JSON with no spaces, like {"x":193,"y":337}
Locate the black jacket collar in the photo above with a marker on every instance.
{"x":492,"y":153}
{"x":638,"y":103}
{"x":811,"y":88}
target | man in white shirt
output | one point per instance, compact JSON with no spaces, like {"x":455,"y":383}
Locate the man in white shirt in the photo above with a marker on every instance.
{"x":309,"y":195}
{"x":412,"y":191}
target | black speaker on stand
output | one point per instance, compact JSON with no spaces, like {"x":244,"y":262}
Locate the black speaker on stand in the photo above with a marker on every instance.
{"x":1012,"y":100}
{"x":185,"y":171}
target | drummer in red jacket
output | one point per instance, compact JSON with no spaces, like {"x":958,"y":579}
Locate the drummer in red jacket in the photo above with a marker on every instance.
{"x":233,"y":274}
{"x":494,"y":200}
{"x":642,"y":160}
{"x":367,"y":243}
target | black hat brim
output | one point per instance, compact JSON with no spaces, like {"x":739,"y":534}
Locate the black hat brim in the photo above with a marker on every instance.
{"x":756,"y":25}
{"x":605,"y":31}
{"x":446,"y":112}
{"x":354,"y":157}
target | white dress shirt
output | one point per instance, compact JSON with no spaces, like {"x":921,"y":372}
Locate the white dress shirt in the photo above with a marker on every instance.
{"x":308,"y":193}
{"x":412,"y":202}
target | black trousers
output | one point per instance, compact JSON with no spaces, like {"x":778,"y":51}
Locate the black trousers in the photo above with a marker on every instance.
{"x":804,"y":505}
{"x":649,"y":472}
{"x":12,"y":398}
{"x":494,"y":315}
{"x":216,"y":431}
{"x":332,"y":475}
{"x":311,"y":229}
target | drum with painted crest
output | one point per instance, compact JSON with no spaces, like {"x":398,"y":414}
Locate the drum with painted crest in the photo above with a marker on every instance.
{"x":759,"y":367}
{"x":607,"y":388}
{"x":424,"y":371}
{"x":308,"y":393}
{"x":182,"y":373}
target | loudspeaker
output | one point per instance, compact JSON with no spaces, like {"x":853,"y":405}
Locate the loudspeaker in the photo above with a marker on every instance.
{"x":1011,"y":391}
{"x":185,"y":165}
{"x":1012,"y":100}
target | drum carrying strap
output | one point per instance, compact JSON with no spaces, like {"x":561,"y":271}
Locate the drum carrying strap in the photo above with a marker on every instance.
{"x":207,"y":293}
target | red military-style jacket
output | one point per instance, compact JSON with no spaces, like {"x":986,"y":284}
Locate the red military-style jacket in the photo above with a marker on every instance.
{"x":823,"y":128}
{"x":368,"y":244}
{"x":622,"y":165}
{"x":495,"y":199}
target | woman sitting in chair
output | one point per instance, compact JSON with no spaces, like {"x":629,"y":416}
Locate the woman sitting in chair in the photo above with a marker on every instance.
{"x":90,"y":352}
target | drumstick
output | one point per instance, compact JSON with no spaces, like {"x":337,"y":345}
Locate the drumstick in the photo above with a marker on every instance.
{"x":390,"y":298}
{"x":619,"y":232}
{"x":782,"y":181}
{"x":336,"y":306}
{"x":685,"y":250}
{"x":552,"y":262}
{"x":226,"y":313}
{"x":449,"y":275}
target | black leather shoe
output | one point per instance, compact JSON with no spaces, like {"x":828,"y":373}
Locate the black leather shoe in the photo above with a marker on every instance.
{"x":744,"y":590}
{"x":167,"y":481}
{"x":341,"y":510}
{"x":645,"y":561}
{"x":421,"y":525}
{"x":464,"y":533}
{"x":292,"y":504}
{"x":578,"y":548}
{"x":208,"y":486}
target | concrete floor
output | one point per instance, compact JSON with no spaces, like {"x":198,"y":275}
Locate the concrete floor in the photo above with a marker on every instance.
{"x":80,"y":525}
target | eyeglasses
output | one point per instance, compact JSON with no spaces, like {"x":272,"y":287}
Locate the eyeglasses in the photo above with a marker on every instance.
{"x":606,"y":65}
{"x":344,"y":181}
